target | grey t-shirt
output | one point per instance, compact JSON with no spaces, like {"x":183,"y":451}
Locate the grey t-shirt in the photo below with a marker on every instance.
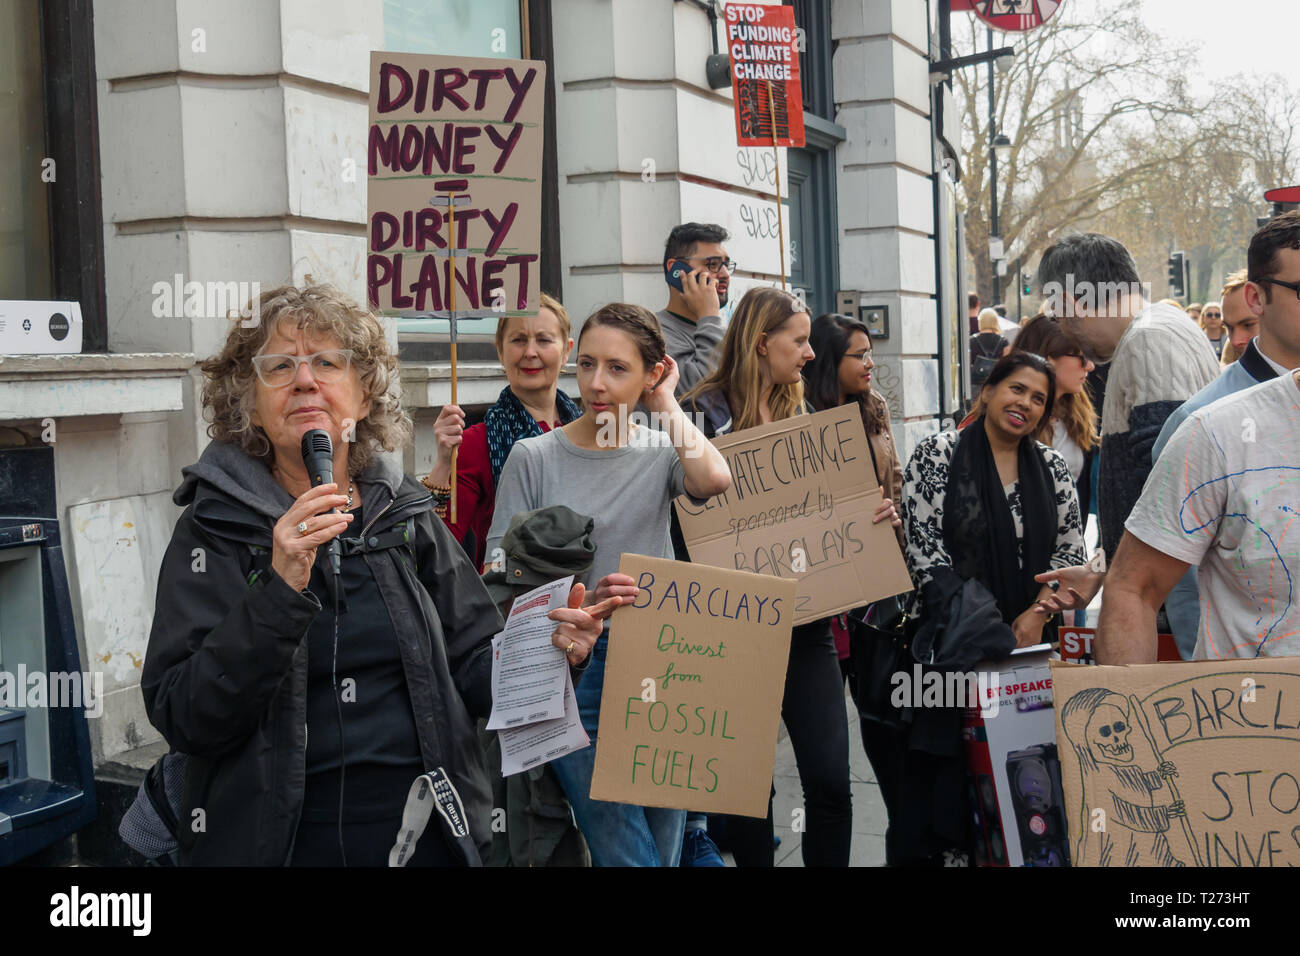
{"x":693,"y":346}
{"x":627,"y":491}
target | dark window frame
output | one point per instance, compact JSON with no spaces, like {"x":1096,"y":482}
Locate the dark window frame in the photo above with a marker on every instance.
{"x":72,"y":140}
{"x":537,"y":43}
{"x":815,"y":77}
{"x":822,"y":135}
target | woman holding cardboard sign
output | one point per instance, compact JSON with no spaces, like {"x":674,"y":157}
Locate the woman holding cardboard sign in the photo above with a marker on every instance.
{"x":840,"y":374}
{"x":624,"y":476}
{"x":764,"y":352}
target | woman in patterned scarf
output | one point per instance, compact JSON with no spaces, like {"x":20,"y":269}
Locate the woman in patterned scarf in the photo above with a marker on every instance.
{"x":533,"y":350}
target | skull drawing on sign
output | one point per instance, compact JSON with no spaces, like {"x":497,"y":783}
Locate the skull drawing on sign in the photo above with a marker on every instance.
{"x":1108,"y":732}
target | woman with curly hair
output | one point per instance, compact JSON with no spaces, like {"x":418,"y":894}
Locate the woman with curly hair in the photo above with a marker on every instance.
{"x":310,"y":700}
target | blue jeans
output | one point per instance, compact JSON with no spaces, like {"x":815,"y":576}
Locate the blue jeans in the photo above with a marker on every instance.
{"x":618,"y":834}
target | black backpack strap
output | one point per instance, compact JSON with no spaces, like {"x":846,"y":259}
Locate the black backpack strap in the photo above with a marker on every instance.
{"x":399,"y":536}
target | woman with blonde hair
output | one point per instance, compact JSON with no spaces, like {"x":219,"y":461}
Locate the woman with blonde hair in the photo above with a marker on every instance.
{"x":986,"y":347}
{"x":1213,"y":326}
{"x":758,"y":380}
{"x":532,"y":350}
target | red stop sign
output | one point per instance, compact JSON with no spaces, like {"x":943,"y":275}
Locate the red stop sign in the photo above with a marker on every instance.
{"x":1015,"y":15}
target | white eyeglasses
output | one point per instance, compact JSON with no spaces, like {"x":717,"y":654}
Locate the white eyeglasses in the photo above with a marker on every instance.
{"x":277,"y":371}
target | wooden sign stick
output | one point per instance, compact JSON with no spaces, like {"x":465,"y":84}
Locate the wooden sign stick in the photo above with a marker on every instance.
{"x":451,"y":307}
{"x":452,"y":201}
{"x":780,"y":219}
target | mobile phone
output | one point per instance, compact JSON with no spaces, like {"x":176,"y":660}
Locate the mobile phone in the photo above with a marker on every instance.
{"x":673,"y":274}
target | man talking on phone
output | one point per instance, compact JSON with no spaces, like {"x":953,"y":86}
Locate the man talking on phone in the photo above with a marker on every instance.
{"x":698,"y":272}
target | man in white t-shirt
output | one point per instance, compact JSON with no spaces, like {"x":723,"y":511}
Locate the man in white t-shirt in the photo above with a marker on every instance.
{"x":1224,"y":495}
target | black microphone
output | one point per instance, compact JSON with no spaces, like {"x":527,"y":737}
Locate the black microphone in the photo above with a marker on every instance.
{"x":318,"y":457}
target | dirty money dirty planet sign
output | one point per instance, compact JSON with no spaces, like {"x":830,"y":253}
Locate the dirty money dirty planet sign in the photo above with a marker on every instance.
{"x":1187,"y":764}
{"x":802,"y":497}
{"x":693,"y":684}
{"x":454,"y":139}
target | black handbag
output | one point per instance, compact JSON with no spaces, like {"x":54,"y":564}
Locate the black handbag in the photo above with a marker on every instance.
{"x":878,"y":649}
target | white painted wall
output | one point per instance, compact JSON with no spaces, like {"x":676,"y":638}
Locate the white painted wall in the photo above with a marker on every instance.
{"x":632,"y":103}
{"x":885,"y":197}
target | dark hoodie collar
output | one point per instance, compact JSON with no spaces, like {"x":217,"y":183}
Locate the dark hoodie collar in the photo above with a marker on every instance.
{"x":235,"y":494}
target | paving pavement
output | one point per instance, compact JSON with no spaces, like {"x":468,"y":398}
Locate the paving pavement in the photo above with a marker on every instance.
{"x":868,"y":847}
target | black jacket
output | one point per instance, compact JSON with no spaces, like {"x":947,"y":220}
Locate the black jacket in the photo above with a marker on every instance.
{"x":225,"y":674}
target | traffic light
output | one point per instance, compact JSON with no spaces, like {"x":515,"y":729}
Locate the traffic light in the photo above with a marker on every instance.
{"x":1177,"y":287}
{"x":1027,"y":281}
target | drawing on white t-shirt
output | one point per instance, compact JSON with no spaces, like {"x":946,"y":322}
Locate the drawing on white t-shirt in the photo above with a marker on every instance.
{"x":1273,"y":589}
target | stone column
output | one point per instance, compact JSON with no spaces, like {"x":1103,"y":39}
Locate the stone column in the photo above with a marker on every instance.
{"x":886,"y":202}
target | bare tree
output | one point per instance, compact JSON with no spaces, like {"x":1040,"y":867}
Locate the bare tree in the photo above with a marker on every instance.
{"x":1206,"y":203}
{"x":1093,"y":76}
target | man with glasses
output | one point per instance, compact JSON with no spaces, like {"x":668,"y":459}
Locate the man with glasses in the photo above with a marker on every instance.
{"x":692,"y":322}
{"x":692,"y":326}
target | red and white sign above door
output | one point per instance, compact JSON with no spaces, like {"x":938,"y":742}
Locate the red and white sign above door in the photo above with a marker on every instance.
{"x":1011,"y":15}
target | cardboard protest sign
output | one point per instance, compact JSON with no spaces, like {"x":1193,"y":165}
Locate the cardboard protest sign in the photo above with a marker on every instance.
{"x":763,"y":44}
{"x":455,"y":145}
{"x":1190,"y":764}
{"x":693,"y":685}
{"x":803,"y":493}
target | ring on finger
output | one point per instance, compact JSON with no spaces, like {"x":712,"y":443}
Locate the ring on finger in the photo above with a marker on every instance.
{"x":302,"y":528}
{"x":572,"y":645}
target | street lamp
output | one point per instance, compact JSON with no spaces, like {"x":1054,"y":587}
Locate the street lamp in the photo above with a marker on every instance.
{"x":1002,"y":147}
{"x":1000,"y":150}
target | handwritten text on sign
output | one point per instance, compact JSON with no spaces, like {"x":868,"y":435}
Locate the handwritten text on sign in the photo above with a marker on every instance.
{"x":454,"y":137}
{"x":693,"y":685}
{"x":763,"y":45}
{"x":802,"y":498}
{"x":1193,"y":764}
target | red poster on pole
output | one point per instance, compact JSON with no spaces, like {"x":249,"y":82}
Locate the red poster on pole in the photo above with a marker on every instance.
{"x":764,"y":48}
